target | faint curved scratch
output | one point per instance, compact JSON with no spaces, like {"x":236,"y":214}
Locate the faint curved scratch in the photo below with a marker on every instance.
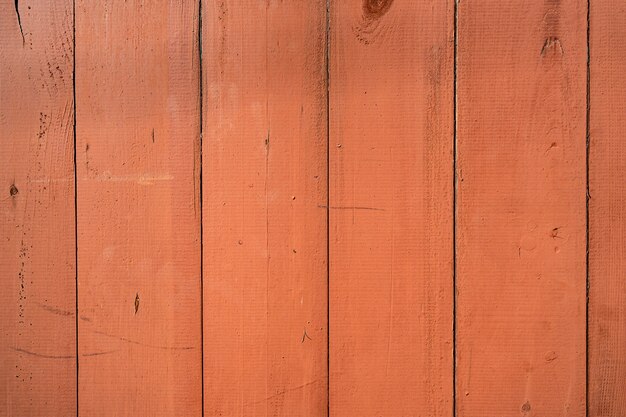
{"x":99,"y":353}
{"x":134,"y":342}
{"x":54,"y":310}
{"x":41,"y":355}
{"x":288,"y":390}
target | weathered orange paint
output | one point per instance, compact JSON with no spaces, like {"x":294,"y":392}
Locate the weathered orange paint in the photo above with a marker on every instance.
{"x":391,"y":208}
{"x":37,"y":247}
{"x":521,"y":228}
{"x":137,"y":141}
{"x":267,"y":217}
{"x":264,"y":216}
{"x":607,"y":210}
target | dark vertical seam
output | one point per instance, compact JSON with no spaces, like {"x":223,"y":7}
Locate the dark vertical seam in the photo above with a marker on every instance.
{"x":587,"y":197}
{"x":267,"y":218}
{"x":76,"y":321}
{"x":454,"y":208}
{"x":327,"y":63}
{"x":201,"y":108}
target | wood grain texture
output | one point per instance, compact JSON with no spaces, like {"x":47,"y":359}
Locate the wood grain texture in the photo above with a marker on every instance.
{"x":138,"y":138}
{"x":391,"y":250}
{"x":264,"y":223}
{"x":37,"y":245}
{"x":521,"y":217}
{"x":607,"y":210}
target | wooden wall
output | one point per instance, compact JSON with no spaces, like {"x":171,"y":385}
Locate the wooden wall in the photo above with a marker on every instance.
{"x":372,"y":208}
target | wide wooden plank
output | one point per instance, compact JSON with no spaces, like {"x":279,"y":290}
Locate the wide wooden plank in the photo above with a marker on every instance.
{"x":37,"y":245}
{"x":391,"y":222}
{"x":607,"y":210}
{"x":264,"y":197}
{"x":521,"y":220}
{"x":138,"y":138}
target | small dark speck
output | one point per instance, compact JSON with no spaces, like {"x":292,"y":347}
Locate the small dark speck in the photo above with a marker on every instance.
{"x":13,"y":190}
{"x":526,"y":407}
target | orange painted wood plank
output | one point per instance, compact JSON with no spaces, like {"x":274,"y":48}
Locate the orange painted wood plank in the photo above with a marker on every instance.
{"x":521,"y":217}
{"x":264,"y":224}
{"x":37,"y":245}
{"x":138,"y":138}
{"x":391,"y":210}
{"x":607,"y":210}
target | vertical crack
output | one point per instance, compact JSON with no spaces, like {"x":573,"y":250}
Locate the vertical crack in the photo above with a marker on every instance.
{"x":19,"y":20}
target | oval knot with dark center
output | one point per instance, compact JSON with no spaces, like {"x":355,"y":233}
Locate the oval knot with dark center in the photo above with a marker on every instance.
{"x":374,"y":9}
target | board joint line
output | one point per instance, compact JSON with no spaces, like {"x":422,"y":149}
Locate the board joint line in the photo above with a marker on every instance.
{"x":201,"y":122}
{"x":587,"y":198}
{"x":76,"y":320}
{"x":454,"y":208}
{"x":327,"y":64}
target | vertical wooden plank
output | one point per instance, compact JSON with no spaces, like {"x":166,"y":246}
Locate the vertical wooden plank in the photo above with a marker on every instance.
{"x":265,"y":188}
{"x":607,"y":210}
{"x":521,"y":217}
{"x":138,"y":100}
{"x":391,"y":250}
{"x":37,"y":245}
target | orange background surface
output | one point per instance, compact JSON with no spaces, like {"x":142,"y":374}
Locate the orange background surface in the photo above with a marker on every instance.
{"x":315,"y":208}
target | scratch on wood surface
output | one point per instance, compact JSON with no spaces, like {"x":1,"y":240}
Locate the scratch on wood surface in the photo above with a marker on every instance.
{"x":107,"y":352}
{"x":141,"y":179}
{"x":552,"y":43}
{"x":288,"y":390}
{"x":55,"y":310}
{"x":42,"y":355}
{"x":134,"y":342}
{"x":351,"y":208}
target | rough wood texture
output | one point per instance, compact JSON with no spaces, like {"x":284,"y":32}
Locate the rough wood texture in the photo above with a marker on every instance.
{"x":391,"y":141}
{"x":521,"y":80}
{"x":138,"y":133}
{"x":265,"y":189}
{"x":37,"y":250}
{"x":607,"y":210}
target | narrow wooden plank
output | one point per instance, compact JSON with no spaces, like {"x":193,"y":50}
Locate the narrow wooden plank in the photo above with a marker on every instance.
{"x":37,"y":245}
{"x":607,"y":210}
{"x":265,"y":188}
{"x":391,"y":251}
{"x":521,"y":217}
{"x":138,"y":137}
